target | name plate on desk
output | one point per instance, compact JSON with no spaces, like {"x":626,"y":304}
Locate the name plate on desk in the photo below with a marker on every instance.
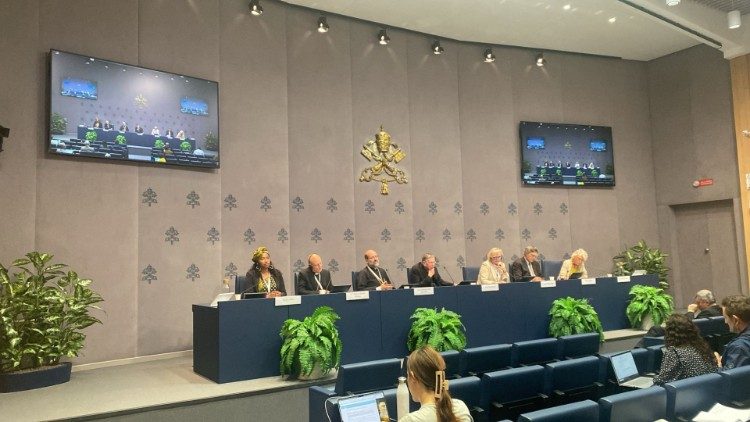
{"x":588,"y":281}
{"x":547,"y":284}
{"x":360,"y":295}
{"x":623,"y":279}
{"x":423,"y":291}
{"x":287,"y":300}
{"x":490,"y":287}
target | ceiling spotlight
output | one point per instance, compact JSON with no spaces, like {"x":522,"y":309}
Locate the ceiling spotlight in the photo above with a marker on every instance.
{"x":383,"y":37}
{"x":255,"y":8}
{"x":323,"y":25}
{"x":540,"y":60}
{"x":488,"y":56}
{"x":673,"y":2}
{"x":437,"y":48}
{"x":734,"y":19}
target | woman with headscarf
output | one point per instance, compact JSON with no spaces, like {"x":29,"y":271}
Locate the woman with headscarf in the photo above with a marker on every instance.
{"x":262,"y":276}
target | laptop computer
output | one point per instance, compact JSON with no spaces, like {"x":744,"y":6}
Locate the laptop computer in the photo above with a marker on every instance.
{"x":364,"y":408}
{"x":626,"y":371}
{"x":340,"y":289}
{"x":253,"y":295}
{"x":575,"y":276}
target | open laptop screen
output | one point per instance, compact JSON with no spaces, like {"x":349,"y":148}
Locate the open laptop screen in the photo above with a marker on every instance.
{"x":624,"y":366}
{"x":364,"y":408}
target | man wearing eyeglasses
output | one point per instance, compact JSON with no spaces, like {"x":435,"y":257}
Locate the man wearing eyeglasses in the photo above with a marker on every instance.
{"x":527,"y":268}
{"x":372,"y":277}
{"x":314,"y":279}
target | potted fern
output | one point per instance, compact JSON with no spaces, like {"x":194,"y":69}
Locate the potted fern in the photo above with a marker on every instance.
{"x":641,"y":257}
{"x":573,"y":316}
{"x":442,"y":330}
{"x":311,"y":347}
{"x":43,"y":312}
{"x":648,"y":306}
{"x":121,"y":140}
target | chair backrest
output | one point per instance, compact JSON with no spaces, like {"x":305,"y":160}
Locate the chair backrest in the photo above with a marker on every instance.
{"x":239,"y":281}
{"x":582,"y":411}
{"x":551,"y":268}
{"x":654,"y":358}
{"x":368,"y":376}
{"x":718,"y":326}
{"x":467,"y":389}
{"x":453,"y":364}
{"x":687,"y":397}
{"x":533,"y":352}
{"x":705,"y":326}
{"x":736,"y":386}
{"x":479,"y":360}
{"x":354,"y":280}
{"x":578,"y":345}
{"x":296,"y":277}
{"x":470,"y":273}
{"x":572,"y":374}
{"x":513,"y":384}
{"x":646,"y":404}
{"x":316,"y":403}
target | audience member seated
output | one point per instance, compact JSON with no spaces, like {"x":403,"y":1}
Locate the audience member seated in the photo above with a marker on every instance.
{"x":736,"y":310}
{"x":704,"y":306}
{"x":686,"y":354}
{"x":263,"y":277}
{"x":138,"y":129}
{"x":372,"y":277}
{"x":97,"y":123}
{"x":86,"y":147}
{"x":167,"y":150}
{"x":123,"y":127}
{"x":181,"y":135}
{"x":493,"y":270}
{"x":314,"y":279}
{"x":527,"y":268}
{"x":576,"y":264}
{"x":199,"y":153}
{"x":428,"y":386}
{"x":107,"y":125}
{"x":169,"y":133}
{"x":425,"y":274}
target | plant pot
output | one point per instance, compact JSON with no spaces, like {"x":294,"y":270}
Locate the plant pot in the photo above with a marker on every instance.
{"x":647,"y":322}
{"x":35,"y":378}
{"x":316,"y":373}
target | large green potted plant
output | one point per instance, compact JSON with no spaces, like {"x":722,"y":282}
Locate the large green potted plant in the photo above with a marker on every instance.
{"x":311,"y":347}
{"x":58,"y":124}
{"x":185,"y":146}
{"x":573,"y":316}
{"x":121,"y":140}
{"x":641,"y":257}
{"x":648,"y":306}
{"x":43,"y":311}
{"x":211,"y":142}
{"x":442,"y":330}
{"x":91,"y":136}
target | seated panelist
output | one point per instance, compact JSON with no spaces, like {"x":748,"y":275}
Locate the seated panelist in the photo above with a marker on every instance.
{"x":527,"y":268}
{"x":169,"y":133}
{"x":425,"y":273}
{"x":123,"y":127}
{"x":138,"y":129}
{"x":97,"y":123}
{"x":180,"y":135}
{"x":372,"y":277}
{"x":576,"y":264}
{"x":107,"y":125}
{"x":314,"y":279}
{"x":493,"y":270}
{"x":155,"y":131}
{"x":263,"y":277}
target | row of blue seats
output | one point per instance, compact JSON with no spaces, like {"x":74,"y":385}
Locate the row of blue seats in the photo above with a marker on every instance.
{"x":678,"y":400}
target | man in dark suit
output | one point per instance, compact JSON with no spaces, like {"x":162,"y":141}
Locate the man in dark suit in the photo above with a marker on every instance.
{"x":425,"y":273}
{"x":372,"y":277}
{"x":527,"y":268}
{"x":314,"y":279}
{"x":704,"y":306}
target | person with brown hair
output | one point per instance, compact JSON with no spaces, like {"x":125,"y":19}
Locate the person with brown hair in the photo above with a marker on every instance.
{"x":428,"y":386}
{"x":685,"y":354}
{"x":736,"y":311}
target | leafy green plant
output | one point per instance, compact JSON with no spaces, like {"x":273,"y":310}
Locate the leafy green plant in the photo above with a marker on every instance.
{"x":58,"y":124}
{"x":641,"y":257}
{"x":314,"y":340}
{"x":159,"y":143}
{"x":43,"y":311}
{"x":120,"y":140}
{"x":573,"y":316}
{"x":525,"y":166}
{"x":442,"y":330}
{"x":185,"y":146}
{"x":91,"y":135}
{"x":211,"y":142}
{"x":647,"y":300}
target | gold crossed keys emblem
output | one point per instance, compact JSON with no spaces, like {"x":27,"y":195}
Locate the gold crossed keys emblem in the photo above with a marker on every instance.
{"x":385,"y":156}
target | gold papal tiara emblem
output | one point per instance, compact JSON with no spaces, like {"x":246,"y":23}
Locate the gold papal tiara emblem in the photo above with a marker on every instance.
{"x":385,"y":155}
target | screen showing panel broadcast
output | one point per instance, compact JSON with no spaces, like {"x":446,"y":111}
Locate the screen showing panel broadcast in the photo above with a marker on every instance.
{"x":566,"y":154}
{"x":115,"y":111}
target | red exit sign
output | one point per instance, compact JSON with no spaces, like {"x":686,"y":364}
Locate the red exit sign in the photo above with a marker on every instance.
{"x":703,"y":182}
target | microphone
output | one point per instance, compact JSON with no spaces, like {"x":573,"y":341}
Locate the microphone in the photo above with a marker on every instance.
{"x":449,"y":274}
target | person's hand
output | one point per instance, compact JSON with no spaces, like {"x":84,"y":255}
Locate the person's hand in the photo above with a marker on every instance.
{"x":386,"y":286}
{"x":274,"y":293}
{"x":718,"y":359}
{"x":537,"y":279}
{"x":692,"y":307}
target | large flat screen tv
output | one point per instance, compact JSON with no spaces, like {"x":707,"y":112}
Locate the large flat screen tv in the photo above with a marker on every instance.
{"x":115,"y":111}
{"x":565,"y":154}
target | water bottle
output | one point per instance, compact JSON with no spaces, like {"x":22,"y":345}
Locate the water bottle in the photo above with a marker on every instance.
{"x":402,"y":398}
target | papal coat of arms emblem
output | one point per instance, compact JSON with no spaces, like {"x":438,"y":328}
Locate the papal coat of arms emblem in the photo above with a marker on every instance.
{"x":385,"y":155}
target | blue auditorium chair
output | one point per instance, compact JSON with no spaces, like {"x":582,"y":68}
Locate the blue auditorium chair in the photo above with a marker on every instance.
{"x":687,"y":397}
{"x":510,"y":392}
{"x":736,"y":386}
{"x":470,"y":273}
{"x":316,"y":403}
{"x":654,"y":359}
{"x":533,"y":352}
{"x":649,"y":341}
{"x":478,"y":360}
{"x":582,"y":411}
{"x":578,"y":345}
{"x":469,"y":390}
{"x":453,"y":364}
{"x":574,"y":379}
{"x":368,"y":376}
{"x":645,"y":404}
{"x":551,"y":268}
{"x":354,"y":280}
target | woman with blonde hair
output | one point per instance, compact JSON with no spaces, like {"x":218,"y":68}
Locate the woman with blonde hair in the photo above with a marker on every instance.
{"x":263,"y":277}
{"x":575,"y":265}
{"x":493,"y":270}
{"x":428,"y":386}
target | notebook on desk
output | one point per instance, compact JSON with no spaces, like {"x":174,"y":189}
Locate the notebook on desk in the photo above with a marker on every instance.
{"x":626,"y":371}
{"x":340,"y":289}
{"x":364,"y":408}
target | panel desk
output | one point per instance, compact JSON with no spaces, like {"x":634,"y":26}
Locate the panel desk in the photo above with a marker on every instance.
{"x":239,"y":340}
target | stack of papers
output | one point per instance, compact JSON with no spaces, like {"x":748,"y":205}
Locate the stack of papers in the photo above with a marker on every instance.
{"x":720,"y":413}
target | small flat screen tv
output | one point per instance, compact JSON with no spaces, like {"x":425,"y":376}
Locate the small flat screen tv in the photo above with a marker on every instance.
{"x":119,"y":112}
{"x":573,"y":155}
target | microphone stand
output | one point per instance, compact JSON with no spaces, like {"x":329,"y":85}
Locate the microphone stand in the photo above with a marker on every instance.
{"x":449,"y":274}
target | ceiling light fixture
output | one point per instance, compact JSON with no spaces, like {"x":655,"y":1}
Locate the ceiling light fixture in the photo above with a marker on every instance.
{"x":255,"y":8}
{"x":540,"y":61}
{"x":323,"y":25}
{"x":437,"y":48}
{"x":488,"y":56}
{"x":673,"y":2}
{"x":383,"y":38}
{"x":734,"y":19}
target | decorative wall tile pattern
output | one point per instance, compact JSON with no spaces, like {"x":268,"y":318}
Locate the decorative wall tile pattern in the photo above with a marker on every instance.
{"x":149,"y":197}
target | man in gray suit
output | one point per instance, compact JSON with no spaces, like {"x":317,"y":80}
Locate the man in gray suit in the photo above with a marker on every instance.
{"x":314,"y":279}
